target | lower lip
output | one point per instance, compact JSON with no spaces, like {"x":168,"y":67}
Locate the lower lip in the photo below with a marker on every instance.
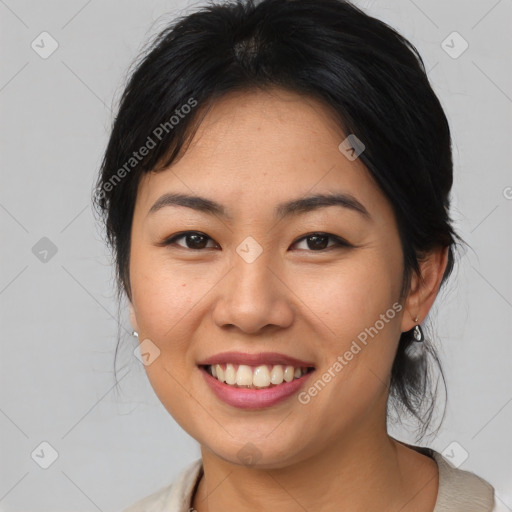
{"x":245,"y":398}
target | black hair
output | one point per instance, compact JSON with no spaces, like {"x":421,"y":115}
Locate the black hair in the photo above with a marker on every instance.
{"x":372,"y":79}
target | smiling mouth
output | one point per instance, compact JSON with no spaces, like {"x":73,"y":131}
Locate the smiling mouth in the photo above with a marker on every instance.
{"x":256,"y":377}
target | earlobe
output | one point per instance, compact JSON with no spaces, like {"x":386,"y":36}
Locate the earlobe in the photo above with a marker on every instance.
{"x":424,"y":290}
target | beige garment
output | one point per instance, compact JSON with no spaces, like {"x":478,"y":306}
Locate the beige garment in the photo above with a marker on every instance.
{"x":459,"y":490}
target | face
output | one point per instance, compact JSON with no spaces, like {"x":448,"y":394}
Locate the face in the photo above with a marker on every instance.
{"x":315,"y":286}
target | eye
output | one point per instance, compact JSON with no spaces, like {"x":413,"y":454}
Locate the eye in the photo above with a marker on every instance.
{"x":194,"y":240}
{"x":319,"y":241}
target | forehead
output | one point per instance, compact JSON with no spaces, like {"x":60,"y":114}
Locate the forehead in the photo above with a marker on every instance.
{"x":256,"y":149}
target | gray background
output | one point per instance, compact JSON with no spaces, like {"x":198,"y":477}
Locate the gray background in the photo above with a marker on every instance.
{"x":58,"y":311}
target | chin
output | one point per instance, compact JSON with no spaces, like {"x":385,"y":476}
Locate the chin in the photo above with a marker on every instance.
{"x":258,"y":452}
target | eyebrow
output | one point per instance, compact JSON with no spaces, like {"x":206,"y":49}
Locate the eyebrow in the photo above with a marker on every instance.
{"x":283,"y":210}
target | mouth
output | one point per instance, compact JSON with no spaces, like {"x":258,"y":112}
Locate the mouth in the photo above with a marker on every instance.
{"x":254,"y":381}
{"x":255,"y":377}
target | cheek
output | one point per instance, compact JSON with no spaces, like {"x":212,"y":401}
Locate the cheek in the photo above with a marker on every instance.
{"x":166,"y":304}
{"x":351,"y":295}
{"x":164,"y":300}
{"x":357,"y":319}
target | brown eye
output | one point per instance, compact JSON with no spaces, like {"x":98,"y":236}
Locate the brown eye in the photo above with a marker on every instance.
{"x":319,"y":241}
{"x":193,"y":240}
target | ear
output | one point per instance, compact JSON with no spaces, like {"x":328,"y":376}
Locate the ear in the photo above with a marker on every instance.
{"x":133,"y":320}
{"x":423,"y":291}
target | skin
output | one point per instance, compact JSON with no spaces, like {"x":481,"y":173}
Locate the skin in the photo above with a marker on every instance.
{"x":253,"y":151}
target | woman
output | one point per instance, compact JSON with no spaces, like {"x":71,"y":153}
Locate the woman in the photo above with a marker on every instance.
{"x":276,"y":193}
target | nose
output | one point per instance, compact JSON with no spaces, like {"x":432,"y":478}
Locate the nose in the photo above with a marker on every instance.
{"x":253,"y":296}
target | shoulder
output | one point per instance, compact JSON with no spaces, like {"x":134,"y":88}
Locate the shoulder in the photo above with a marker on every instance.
{"x":174,"y":497}
{"x":461,"y":490}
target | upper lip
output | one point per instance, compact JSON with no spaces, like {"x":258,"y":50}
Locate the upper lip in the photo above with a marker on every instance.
{"x":254,"y":359}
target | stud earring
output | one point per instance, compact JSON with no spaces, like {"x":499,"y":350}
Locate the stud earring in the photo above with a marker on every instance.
{"x":135,"y":333}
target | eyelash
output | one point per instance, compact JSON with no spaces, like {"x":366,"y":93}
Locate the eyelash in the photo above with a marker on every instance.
{"x":339,"y":242}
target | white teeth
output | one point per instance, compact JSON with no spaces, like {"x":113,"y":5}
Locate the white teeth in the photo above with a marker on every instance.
{"x":261,"y":377}
{"x":276,"y":375}
{"x":288,"y":373}
{"x":220,"y":372}
{"x":244,"y":375}
{"x":230,"y":374}
{"x":256,"y":377}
